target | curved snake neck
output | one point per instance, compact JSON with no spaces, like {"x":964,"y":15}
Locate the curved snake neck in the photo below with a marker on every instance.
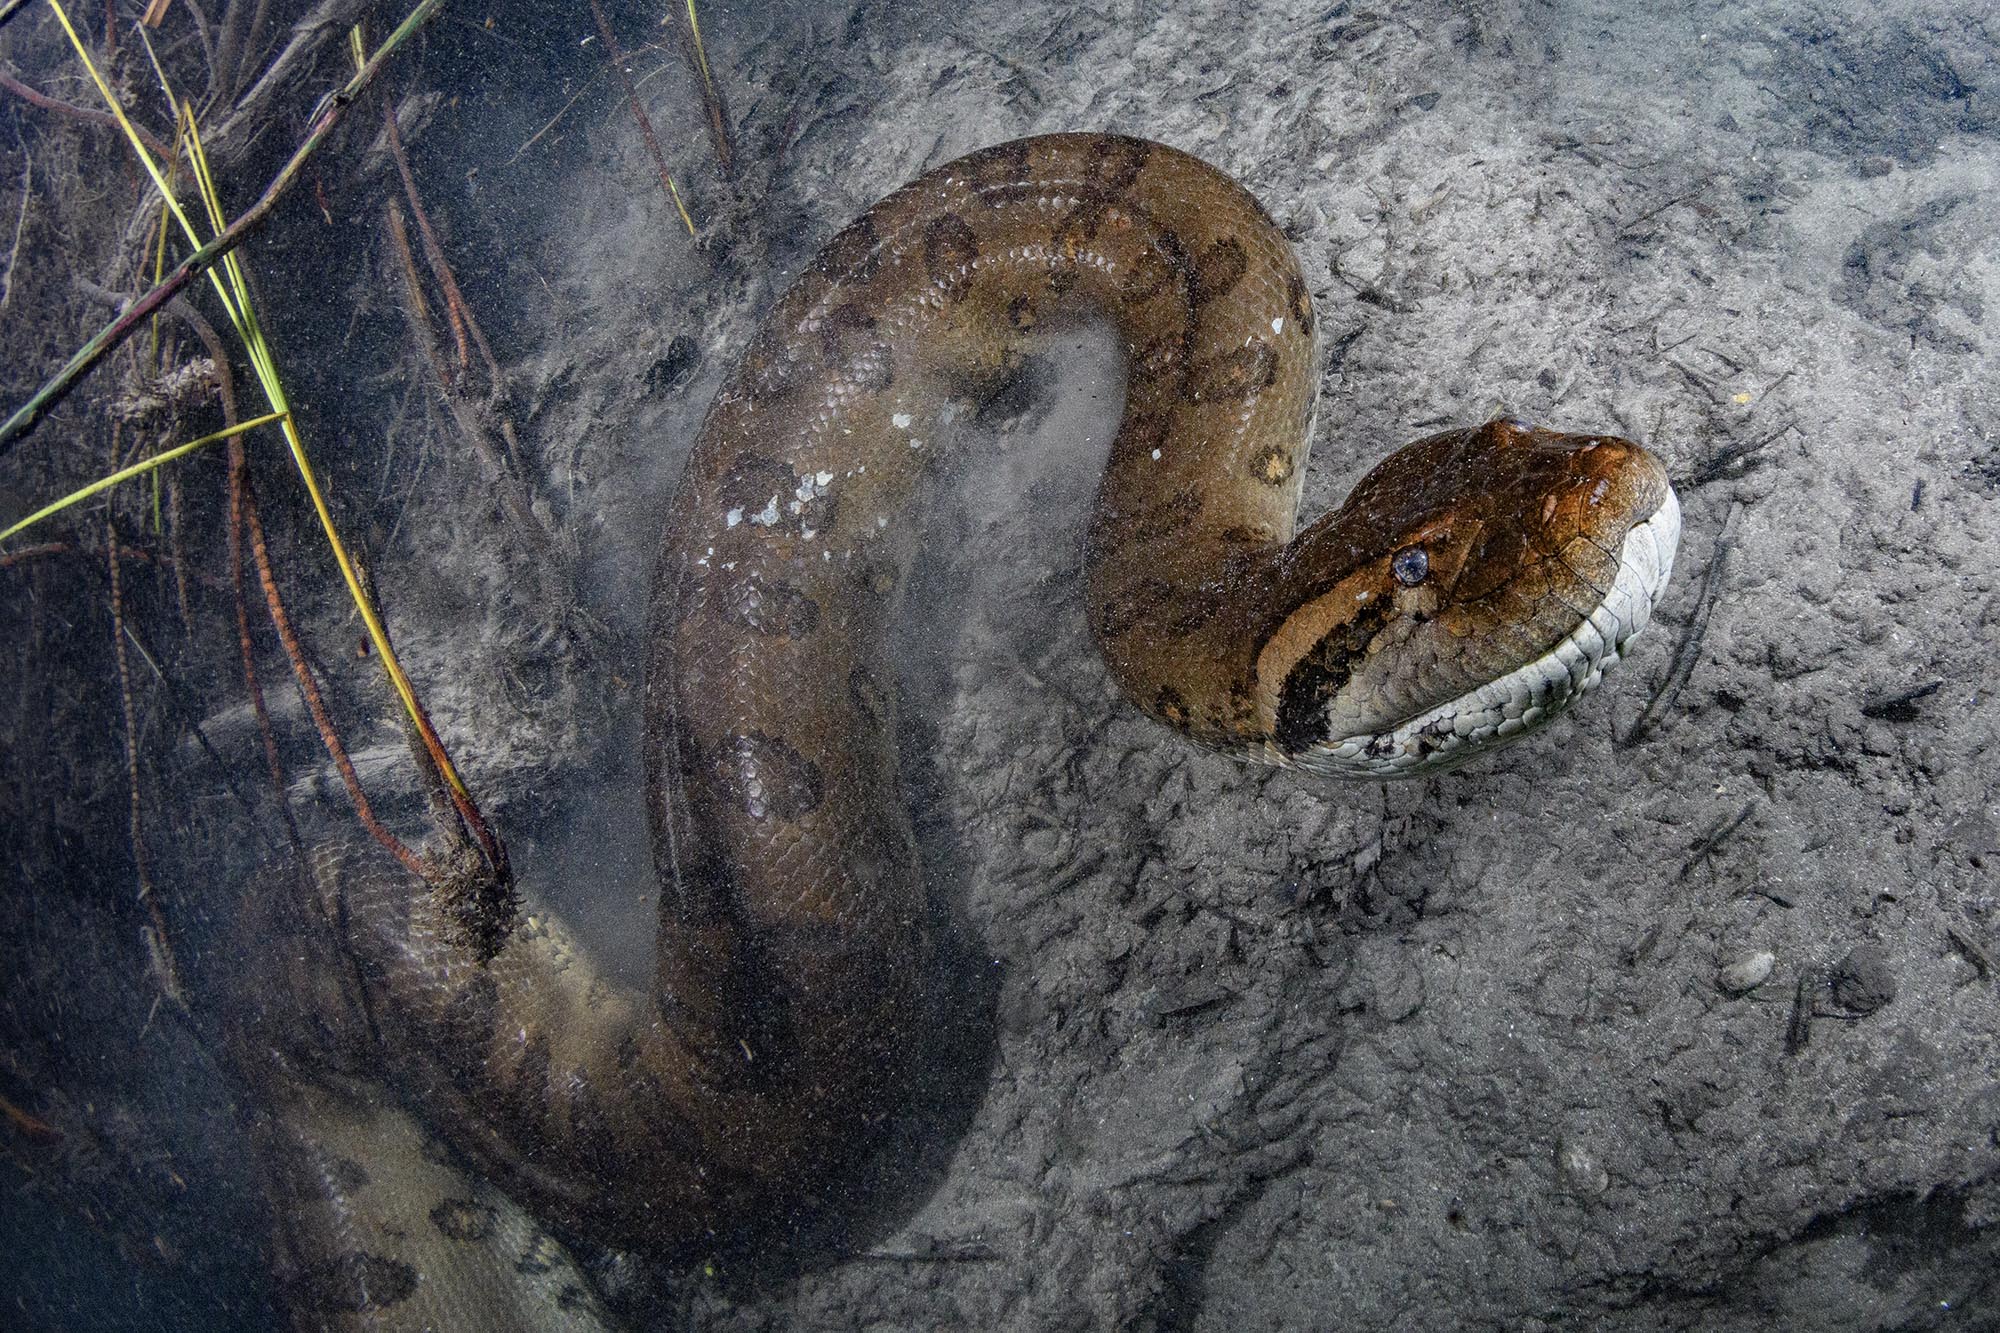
{"x":792,"y":946}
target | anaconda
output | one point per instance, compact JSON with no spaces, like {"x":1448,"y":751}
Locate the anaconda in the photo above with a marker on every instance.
{"x":1472,"y":586}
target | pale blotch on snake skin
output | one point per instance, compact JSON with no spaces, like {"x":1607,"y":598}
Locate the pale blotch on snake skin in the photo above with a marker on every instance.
{"x":1473,"y":586}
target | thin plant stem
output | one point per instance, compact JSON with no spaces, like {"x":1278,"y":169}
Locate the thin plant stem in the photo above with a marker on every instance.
{"x":20,"y":226}
{"x":454,"y":303}
{"x":32,"y":1128}
{"x":139,"y":468}
{"x":711,"y":97}
{"x":616,"y":55}
{"x":159,"y":946}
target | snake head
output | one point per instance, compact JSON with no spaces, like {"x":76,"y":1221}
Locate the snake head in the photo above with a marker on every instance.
{"x":1474,"y":585}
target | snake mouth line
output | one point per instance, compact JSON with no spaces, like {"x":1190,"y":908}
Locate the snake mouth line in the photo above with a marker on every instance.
{"x":1529,"y":697}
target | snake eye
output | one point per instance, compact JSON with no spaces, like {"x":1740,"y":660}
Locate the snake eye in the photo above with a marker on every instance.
{"x":1410,"y":566}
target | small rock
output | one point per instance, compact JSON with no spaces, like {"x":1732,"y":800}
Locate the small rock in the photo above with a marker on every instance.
{"x":1580,"y":1171}
{"x":1746,"y":973}
{"x":1862,"y":981}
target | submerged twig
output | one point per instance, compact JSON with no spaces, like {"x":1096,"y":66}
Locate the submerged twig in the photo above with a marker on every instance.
{"x":183,"y":597}
{"x":418,"y":306}
{"x":166,"y":969}
{"x":711,"y":94}
{"x":32,"y":1128}
{"x":229,"y":48}
{"x":1899,"y":705}
{"x":254,"y":45}
{"x":1718,"y":833}
{"x":460,"y":318}
{"x":22,"y":554}
{"x":1798,"y":1026}
{"x":472,"y":423}
{"x":616,"y":55}
{"x":1730,"y":455}
{"x":90,"y":115}
{"x":20,"y":227}
{"x":464,"y":323}
{"x":240,"y":42}
{"x":1970,"y":950}
{"x":1689,"y":648}
{"x":1626,"y":228}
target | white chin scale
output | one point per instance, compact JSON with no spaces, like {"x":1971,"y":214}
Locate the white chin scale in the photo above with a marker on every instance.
{"x":1528,"y":697}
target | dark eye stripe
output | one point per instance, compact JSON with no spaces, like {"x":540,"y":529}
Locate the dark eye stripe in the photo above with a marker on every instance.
{"x":1321,"y":673}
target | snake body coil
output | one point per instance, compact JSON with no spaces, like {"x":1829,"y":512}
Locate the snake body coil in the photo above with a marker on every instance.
{"x":1473,"y":585}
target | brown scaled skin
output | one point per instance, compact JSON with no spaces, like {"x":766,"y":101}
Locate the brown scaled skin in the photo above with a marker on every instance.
{"x":792,"y":943}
